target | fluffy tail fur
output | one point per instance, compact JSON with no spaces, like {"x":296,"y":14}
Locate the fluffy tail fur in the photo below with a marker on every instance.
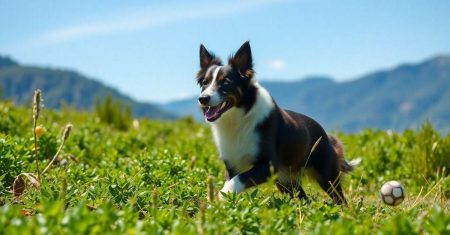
{"x":339,"y":149}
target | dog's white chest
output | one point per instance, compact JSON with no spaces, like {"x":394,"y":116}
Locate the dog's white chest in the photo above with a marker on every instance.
{"x":238,"y":147}
{"x":236,"y":135}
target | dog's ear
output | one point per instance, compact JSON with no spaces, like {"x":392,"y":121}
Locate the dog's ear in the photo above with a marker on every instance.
{"x":243,"y":61}
{"x":207,"y":59}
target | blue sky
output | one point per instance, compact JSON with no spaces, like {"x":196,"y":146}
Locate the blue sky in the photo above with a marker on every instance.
{"x":149,"y":49}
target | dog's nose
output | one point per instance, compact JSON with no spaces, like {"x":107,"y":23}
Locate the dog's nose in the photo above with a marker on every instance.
{"x":203,"y":99}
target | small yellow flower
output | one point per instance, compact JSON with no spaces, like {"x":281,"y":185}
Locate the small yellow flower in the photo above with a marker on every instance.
{"x":39,"y":131}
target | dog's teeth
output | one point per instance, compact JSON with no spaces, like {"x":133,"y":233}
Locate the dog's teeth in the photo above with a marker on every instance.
{"x":223,"y":105}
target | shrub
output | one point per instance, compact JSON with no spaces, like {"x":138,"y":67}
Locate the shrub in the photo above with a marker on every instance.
{"x":114,"y":113}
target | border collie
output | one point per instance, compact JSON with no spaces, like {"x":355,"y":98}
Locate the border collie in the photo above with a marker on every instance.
{"x":252,"y":133}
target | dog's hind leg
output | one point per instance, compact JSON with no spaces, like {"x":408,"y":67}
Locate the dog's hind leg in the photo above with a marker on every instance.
{"x":328,"y":175}
{"x":325,"y":164}
{"x":330,"y":183}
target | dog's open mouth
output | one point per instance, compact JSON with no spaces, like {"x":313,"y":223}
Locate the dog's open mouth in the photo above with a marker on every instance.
{"x":213,"y":113}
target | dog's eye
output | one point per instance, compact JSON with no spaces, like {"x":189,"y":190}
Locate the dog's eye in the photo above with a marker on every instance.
{"x":205,"y":82}
{"x":226,"y":83}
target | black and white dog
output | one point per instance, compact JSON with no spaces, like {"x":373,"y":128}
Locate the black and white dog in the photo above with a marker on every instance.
{"x":252,"y":133}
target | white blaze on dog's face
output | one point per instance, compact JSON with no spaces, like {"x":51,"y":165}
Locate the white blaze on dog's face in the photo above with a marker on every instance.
{"x":222,"y":87}
{"x":210,"y":87}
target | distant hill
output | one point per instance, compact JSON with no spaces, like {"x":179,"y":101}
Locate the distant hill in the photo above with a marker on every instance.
{"x":59,"y":87}
{"x":398,"y":98}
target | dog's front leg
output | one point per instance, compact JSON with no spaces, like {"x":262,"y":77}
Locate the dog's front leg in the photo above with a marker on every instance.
{"x":258,"y":174}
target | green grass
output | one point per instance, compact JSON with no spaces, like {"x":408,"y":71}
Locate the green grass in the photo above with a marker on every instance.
{"x":153,"y":180}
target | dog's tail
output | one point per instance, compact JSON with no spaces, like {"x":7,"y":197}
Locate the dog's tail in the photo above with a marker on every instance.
{"x":344,"y":166}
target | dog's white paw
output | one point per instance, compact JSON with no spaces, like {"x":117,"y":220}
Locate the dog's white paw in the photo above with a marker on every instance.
{"x":221,"y":197}
{"x":232,"y":186}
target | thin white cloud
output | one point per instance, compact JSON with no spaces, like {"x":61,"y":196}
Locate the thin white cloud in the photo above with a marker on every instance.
{"x":149,"y":18}
{"x":277,"y":64}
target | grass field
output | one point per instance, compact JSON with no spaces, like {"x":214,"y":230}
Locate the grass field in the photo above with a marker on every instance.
{"x":152,"y":179}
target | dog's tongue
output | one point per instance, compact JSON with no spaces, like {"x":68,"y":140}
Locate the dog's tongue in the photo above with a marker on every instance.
{"x":212,"y":113}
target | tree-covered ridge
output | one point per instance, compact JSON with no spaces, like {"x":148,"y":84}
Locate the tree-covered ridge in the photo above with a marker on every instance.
{"x":64,"y":87}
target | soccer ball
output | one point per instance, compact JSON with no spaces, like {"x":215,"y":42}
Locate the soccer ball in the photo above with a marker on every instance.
{"x":392,"y":193}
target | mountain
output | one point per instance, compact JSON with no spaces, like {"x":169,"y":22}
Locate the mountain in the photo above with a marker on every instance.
{"x":60,"y":87}
{"x":398,"y":98}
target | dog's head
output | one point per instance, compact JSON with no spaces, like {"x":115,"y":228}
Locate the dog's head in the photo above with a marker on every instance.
{"x":224,"y":87}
